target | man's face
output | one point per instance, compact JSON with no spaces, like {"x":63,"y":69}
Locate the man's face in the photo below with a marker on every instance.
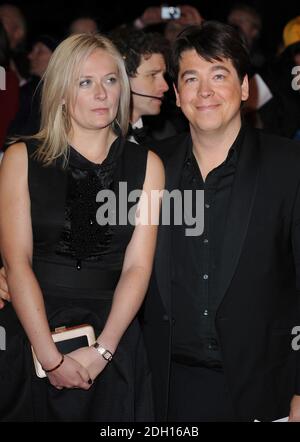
{"x":244,"y":21}
{"x":84,"y":26}
{"x":209,"y":93}
{"x":13,"y":26}
{"x":149,"y":80}
{"x":39,"y":59}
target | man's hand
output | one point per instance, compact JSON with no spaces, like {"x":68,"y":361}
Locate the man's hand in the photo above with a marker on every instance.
{"x":4,"y":295}
{"x":295,"y":409}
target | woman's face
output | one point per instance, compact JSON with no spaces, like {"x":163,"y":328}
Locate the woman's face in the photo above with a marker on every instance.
{"x":97,"y":93}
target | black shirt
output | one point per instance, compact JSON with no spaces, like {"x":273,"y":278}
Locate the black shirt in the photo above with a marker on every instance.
{"x":196,"y":263}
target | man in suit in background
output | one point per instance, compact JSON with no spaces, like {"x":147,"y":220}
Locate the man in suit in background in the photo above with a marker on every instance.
{"x":153,"y":115}
{"x":221,"y":306}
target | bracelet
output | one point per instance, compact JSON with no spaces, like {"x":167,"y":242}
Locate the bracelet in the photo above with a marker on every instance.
{"x":106,"y":354}
{"x":55,"y":368}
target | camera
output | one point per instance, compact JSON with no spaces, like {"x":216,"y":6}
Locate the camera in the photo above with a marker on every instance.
{"x":170,"y":12}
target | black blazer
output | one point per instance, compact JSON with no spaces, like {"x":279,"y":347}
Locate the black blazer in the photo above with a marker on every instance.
{"x":259,"y":278}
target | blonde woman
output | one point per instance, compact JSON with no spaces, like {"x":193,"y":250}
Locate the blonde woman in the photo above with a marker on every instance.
{"x":63,"y":267}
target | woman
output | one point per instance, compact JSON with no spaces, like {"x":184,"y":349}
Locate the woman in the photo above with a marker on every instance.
{"x":63,"y":268}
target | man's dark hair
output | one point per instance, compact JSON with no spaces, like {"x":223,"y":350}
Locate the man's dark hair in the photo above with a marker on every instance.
{"x":135,"y":44}
{"x":212,"y":41}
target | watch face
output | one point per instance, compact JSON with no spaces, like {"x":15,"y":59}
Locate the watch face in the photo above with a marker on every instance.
{"x":107,"y":355}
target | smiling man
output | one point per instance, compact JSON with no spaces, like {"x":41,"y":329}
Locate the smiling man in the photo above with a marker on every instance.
{"x":221,"y":307}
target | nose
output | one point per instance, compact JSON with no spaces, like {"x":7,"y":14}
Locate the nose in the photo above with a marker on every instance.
{"x":164,"y":85}
{"x":205,"y":90}
{"x":100,"y":92}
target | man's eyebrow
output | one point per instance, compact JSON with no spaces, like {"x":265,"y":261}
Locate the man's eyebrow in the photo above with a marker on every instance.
{"x":214,"y":68}
{"x":188,"y":72}
{"x":220,"y":67}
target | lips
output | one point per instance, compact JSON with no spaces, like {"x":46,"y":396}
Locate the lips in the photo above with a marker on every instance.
{"x":100,"y":111}
{"x":207,"y":107}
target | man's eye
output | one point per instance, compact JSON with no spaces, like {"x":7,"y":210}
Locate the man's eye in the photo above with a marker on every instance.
{"x":190,"y":79}
{"x":219,"y":77}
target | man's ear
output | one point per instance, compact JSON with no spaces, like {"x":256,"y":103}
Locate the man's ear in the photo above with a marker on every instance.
{"x":245,"y":88}
{"x":177,"y":95}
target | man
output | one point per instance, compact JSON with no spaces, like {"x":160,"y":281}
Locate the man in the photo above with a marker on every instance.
{"x":249,"y":22}
{"x":14,"y":24}
{"x":145,"y":56}
{"x":221,"y":306}
{"x":83,"y":25}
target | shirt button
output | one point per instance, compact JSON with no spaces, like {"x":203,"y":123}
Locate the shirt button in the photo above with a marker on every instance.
{"x":206,"y":241}
{"x":205,"y":277}
{"x":205,"y":313}
{"x":207,"y":206}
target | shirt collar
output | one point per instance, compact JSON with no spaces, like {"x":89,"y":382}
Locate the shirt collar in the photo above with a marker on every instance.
{"x":232,"y":153}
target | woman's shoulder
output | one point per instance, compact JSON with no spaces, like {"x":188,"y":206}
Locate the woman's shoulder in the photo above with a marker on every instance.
{"x":14,"y":161}
{"x":15,"y":150}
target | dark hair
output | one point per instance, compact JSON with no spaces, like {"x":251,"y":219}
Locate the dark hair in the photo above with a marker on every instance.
{"x":133,"y":44}
{"x":212,"y":41}
{"x":4,"y":47}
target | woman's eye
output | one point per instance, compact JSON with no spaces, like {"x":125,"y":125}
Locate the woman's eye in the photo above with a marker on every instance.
{"x":111,"y":80}
{"x":85,"y":83}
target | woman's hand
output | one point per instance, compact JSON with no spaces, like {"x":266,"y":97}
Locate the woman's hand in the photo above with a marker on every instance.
{"x":71,"y":374}
{"x":89,"y":358}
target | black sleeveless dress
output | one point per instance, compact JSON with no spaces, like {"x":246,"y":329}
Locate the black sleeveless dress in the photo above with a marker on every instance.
{"x":78,"y":263}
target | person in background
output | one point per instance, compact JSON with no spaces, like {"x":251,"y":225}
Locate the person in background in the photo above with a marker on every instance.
{"x":249,"y":22}
{"x":28,"y":118}
{"x":83,"y":25}
{"x":15,"y":25}
{"x":9,"y":88}
{"x":145,"y":56}
{"x":152,"y":15}
{"x":274,"y":90}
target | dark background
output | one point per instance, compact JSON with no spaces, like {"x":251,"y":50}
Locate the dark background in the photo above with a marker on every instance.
{"x":53,"y":16}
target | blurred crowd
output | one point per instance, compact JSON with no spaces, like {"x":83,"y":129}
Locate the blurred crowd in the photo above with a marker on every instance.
{"x":274,"y":103}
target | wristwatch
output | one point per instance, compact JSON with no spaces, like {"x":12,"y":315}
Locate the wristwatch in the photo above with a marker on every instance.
{"x":106,"y":354}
